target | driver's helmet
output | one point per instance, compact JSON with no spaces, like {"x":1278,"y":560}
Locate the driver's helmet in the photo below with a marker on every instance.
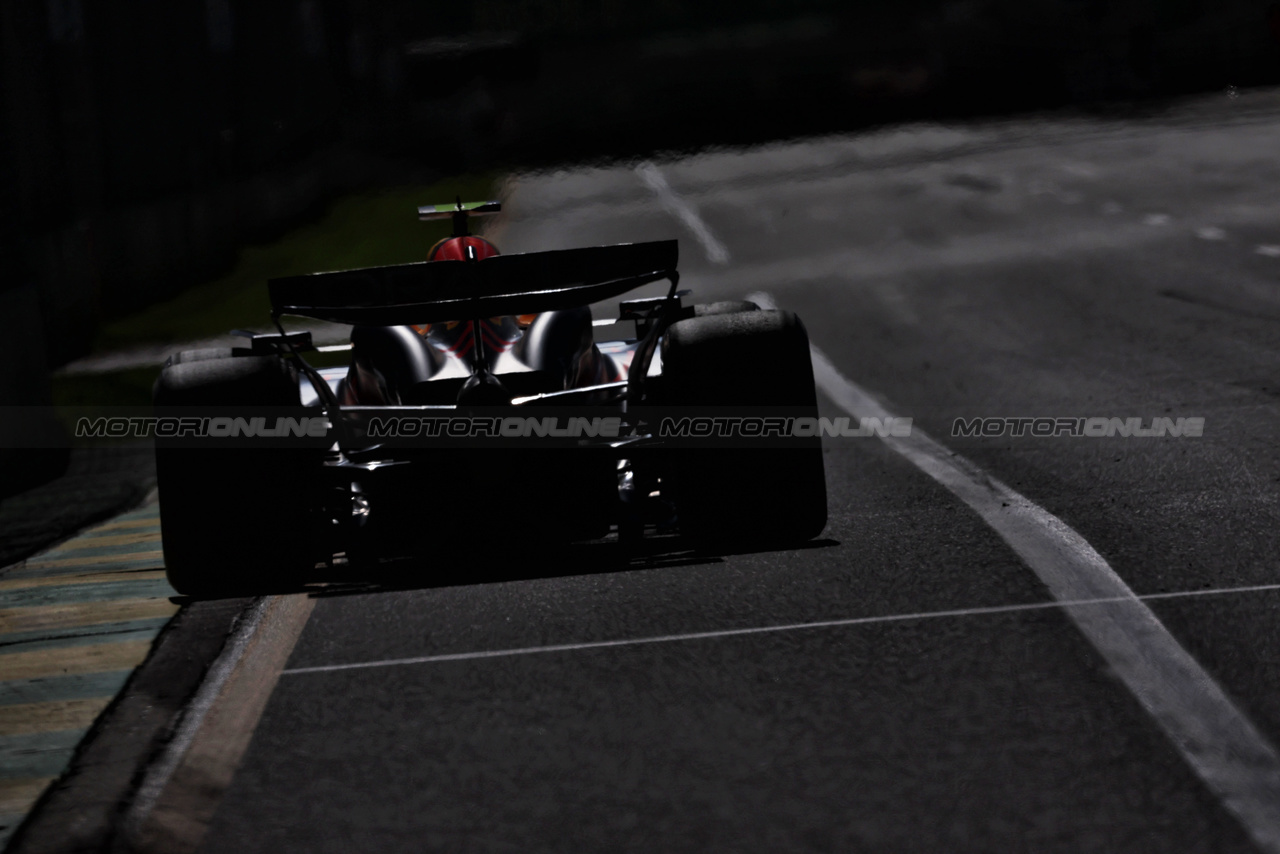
{"x":462,"y":249}
{"x":458,"y":337}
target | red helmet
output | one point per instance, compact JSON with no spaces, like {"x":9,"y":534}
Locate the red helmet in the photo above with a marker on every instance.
{"x":469,"y":248}
{"x":462,"y":249}
{"x":458,"y":337}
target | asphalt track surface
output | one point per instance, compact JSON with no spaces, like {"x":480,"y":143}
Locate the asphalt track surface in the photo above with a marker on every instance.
{"x":911,"y":681}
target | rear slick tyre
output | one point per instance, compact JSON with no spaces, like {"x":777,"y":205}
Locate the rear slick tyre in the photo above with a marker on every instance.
{"x":755,"y":496}
{"x":233,"y":521}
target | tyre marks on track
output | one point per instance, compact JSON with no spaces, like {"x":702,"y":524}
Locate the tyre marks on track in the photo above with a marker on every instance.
{"x":74,"y":622}
{"x":1218,"y":741}
{"x":682,"y":210}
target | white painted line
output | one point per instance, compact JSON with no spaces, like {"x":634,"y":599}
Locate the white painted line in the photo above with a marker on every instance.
{"x":1268,"y":250}
{"x":1156,"y":219}
{"x":1210,"y":232}
{"x":758,"y":630}
{"x":678,"y":207}
{"x":1231,"y":756}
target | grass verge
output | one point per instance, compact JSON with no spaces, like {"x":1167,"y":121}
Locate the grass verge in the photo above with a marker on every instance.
{"x":361,"y":230}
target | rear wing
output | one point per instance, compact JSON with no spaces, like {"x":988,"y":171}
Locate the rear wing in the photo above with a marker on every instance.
{"x":434,"y":291}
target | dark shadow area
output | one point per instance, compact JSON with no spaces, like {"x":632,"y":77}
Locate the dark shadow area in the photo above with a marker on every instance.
{"x":97,"y":483}
{"x":142,"y":145}
{"x":458,"y":567}
{"x":593,"y":558}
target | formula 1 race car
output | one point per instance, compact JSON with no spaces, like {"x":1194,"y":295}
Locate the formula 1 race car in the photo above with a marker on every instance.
{"x":291,"y":472}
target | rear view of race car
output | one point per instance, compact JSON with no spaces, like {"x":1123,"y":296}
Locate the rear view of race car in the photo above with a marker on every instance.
{"x":479,"y":410}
